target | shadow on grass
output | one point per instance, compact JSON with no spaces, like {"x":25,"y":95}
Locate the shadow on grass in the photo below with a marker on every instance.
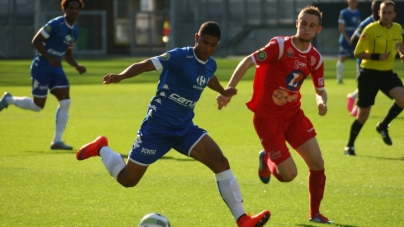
{"x":385,"y":158}
{"x":125,"y":156}
{"x":169,"y":158}
{"x":335,"y":224}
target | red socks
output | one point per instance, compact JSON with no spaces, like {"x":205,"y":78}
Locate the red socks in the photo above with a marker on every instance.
{"x":316,"y":189}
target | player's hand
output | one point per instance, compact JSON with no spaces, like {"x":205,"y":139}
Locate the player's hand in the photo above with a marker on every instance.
{"x":81,"y":69}
{"x":229,"y":91}
{"x":112,"y":78}
{"x":402,"y":58}
{"x":322,"y":109}
{"x":222,"y":101}
{"x":54,"y":61}
{"x":384,"y":57}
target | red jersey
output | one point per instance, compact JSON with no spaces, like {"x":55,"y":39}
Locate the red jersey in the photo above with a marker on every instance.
{"x":281,"y":70}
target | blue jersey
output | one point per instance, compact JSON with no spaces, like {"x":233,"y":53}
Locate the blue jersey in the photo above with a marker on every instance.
{"x":59,"y":36}
{"x":181,"y":83}
{"x":351,"y":20}
{"x":363,"y":24}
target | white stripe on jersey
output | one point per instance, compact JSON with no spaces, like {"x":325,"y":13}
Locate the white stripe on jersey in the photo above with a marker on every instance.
{"x":44,"y":33}
{"x":156,"y":63}
{"x":281,"y":43}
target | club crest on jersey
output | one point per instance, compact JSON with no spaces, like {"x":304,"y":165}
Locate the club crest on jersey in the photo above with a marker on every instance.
{"x":261,"y":55}
{"x":364,"y":36}
{"x":289,"y":52}
{"x":312,"y":60}
{"x":295,"y":79}
{"x":165,"y":56}
{"x":48,"y":28}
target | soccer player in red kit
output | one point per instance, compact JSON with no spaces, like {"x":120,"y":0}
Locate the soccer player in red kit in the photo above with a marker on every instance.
{"x":281,"y":67}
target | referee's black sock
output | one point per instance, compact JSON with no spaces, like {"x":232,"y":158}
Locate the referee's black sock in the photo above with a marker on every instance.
{"x":394,"y":111}
{"x":355,"y":129}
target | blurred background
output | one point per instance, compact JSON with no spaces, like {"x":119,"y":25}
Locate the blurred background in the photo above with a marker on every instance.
{"x":149,"y":27}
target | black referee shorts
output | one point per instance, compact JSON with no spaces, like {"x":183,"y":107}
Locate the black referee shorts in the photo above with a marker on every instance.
{"x":371,"y":81}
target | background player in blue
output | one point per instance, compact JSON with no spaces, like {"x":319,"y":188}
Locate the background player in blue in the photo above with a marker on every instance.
{"x":169,"y":121}
{"x":348,"y":21}
{"x":351,"y":97}
{"x":53,"y":41}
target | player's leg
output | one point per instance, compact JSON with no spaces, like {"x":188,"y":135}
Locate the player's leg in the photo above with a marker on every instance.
{"x":311,"y":154}
{"x":126,"y":174}
{"x":148,"y":147}
{"x":393,"y":88}
{"x":301,"y":136}
{"x":205,"y":150}
{"x":276,"y":159}
{"x":40,"y":83}
{"x":368,"y":87}
{"x":59,"y":87}
{"x":340,"y":68}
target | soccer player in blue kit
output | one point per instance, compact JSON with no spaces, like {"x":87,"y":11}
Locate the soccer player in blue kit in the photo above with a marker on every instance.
{"x":169,"y":121}
{"x":53,"y":42}
{"x":348,"y":21}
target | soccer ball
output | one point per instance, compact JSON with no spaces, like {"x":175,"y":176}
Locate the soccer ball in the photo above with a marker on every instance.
{"x":154,"y":220}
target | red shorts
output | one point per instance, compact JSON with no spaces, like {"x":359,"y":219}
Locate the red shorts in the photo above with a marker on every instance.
{"x":274,"y":134}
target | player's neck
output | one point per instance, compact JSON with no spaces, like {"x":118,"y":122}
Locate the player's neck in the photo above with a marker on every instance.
{"x":70,"y":22}
{"x":300,"y":44}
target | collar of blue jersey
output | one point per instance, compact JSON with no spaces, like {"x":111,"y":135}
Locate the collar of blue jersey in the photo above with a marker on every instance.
{"x":67,"y":24}
{"x":200,"y":61}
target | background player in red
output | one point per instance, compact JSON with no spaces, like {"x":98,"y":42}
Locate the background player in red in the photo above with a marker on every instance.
{"x":281,"y":67}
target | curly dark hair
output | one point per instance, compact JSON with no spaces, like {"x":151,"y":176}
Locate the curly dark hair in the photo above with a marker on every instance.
{"x":65,"y":3}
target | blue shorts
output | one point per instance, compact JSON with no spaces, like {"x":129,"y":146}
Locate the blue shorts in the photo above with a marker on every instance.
{"x":345,"y":49}
{"x":44,"y":79}
{"x":152,"y":143}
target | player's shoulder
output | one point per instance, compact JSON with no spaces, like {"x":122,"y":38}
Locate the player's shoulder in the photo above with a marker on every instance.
{"x":280,"y":39}
{"x":397,"y":25}
{"x":57,"y":20}
{"x":314,"y":51}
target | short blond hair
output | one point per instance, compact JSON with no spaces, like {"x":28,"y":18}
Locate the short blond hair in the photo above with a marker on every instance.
{"x":312,"y":10}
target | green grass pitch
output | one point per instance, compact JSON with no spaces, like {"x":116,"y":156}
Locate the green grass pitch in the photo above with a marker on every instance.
{"x":41,"y":187}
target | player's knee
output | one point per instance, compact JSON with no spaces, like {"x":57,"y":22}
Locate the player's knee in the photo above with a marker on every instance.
{"x":289,"y":176}
{"x":36,"y":108}
{"x":128,"y":183}
{"x":65,"y":103}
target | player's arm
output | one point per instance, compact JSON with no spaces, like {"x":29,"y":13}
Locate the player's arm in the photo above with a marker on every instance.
{"x":69,"y":59}
{"x":355,"y":38}
{"x":321,"y":99}
{"x":341,"y":28}
{"x":37,"y":42}
{"x":131,"y":71}
{"x":400,"y":50}
{"x":361,"y":49}
{"x":215,"y":85}
{"x":240,"y":71}
{"x":238,"y":74}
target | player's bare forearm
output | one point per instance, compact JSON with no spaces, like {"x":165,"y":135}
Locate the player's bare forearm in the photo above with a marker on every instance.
{"x":132,"y":71}
{"x":354,"y":40}
{"x":341,"y":28}
{"x":215,"y":85}
{"x":400,"y":50}
{"x":40,"y":48}
{"x":240,"y":71}
{"x":138,"y":68}
{"x":321,"y":99}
